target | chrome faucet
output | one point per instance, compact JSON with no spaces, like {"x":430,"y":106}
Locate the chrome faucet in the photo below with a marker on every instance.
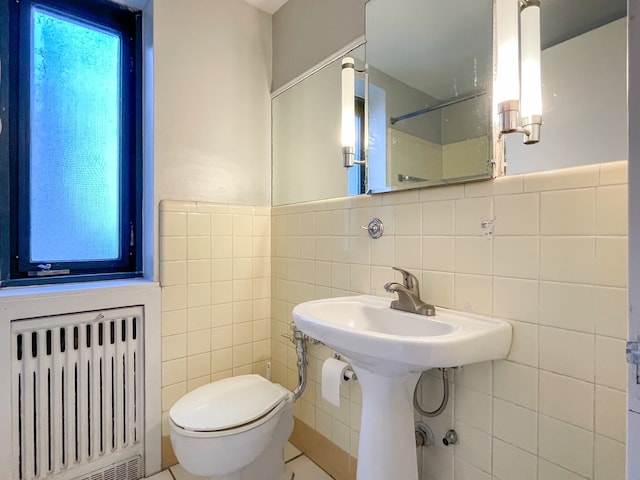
{"x":408,"y":295}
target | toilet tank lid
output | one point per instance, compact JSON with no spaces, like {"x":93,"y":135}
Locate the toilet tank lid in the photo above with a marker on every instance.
{"x":227,"y":403}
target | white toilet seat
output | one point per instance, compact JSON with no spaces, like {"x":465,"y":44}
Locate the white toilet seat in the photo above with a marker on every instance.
{"x":228,"y":407}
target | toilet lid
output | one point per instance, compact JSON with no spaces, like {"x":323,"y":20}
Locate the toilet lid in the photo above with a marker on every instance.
{"x":226,"y":403}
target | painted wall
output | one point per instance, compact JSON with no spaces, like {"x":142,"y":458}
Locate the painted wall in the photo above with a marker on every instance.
{"x":306,"y":32}
{"x":212,"y":75}
{"x":556,"y":268}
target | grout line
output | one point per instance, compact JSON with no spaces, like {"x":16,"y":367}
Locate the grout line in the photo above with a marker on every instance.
{"x":171,"y":473}
{"x":294,"y":458}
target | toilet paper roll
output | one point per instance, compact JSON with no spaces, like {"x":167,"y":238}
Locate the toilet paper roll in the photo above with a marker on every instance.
{"x":333,"y":375}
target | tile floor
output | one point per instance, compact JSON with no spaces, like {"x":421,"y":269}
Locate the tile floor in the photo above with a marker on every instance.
{"x":297,"y":463}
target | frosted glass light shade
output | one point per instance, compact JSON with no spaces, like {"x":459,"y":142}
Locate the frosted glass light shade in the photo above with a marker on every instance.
{"x":508,"y":75}
{"x":348,"y":103}
{"x":531,"y":97}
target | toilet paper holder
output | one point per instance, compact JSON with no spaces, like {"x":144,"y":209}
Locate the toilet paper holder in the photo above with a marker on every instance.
{"x":349,"y":374}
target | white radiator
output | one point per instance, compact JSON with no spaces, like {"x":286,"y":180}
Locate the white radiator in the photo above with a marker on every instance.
{"x":77,"y":391}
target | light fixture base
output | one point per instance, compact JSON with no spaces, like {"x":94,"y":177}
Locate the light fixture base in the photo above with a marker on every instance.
{"x":348,"y":156}
{"x":509,"y":116}
{"x":531,"y":126}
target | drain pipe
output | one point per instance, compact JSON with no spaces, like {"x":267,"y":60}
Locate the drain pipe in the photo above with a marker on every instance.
{"x":299,"y":339}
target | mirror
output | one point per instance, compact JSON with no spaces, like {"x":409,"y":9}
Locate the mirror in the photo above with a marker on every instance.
{"x":584,"y":106}
{"x":305,"y":128}
{"x":416,"y":61}
{"x":430,"y":69}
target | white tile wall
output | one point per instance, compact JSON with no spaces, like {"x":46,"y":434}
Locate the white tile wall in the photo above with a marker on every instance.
{"x":555,"y":267}
{"x":215,"y":273}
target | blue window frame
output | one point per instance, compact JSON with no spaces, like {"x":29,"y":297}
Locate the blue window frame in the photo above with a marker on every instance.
{"x":70,"y":148}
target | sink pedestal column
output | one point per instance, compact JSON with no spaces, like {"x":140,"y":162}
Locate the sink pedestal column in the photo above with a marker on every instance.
{"x":387,"y":447}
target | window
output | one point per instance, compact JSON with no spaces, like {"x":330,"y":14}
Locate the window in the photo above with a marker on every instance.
{"x":70,"y":182}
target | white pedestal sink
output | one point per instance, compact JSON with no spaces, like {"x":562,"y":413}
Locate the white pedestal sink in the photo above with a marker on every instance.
{"x":388,"y":350}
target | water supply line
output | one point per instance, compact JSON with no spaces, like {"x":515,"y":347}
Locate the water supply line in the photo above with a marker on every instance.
{"x":299,"y":339}
{"x":445,"y":396}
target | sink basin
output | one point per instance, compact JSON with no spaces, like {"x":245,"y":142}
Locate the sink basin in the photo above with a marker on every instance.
{"x":368,"y":332}
{"x":388,"y":349}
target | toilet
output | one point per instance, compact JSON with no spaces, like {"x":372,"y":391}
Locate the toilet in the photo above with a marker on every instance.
{"x":233,"y":429}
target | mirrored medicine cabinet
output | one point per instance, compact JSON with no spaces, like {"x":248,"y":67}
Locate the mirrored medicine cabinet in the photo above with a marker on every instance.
{"x":425,"y":101}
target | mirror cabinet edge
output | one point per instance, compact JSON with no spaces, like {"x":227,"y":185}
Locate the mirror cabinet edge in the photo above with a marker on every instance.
{"x":498,"y":153}
{"x":358,"y":42}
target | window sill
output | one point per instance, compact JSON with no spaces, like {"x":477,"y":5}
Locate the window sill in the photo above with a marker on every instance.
{"x":26,"y":292}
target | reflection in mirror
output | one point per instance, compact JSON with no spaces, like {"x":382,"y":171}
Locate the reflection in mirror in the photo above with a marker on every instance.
{"x":430,"y":67}
{"x":584,"y":101}
{"x":306,"y":148}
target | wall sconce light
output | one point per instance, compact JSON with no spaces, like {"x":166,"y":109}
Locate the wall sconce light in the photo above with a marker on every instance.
{"x":518,"y":81}
{"x":348,"y":113}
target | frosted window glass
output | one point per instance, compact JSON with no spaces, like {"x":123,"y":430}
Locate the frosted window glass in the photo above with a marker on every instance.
{"x":75,"y":141}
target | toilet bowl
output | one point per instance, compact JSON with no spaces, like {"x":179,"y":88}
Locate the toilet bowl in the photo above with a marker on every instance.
{"x":233,"y":429}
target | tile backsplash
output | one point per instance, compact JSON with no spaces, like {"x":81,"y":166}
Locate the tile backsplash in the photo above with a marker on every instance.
{"x":555,"y":267}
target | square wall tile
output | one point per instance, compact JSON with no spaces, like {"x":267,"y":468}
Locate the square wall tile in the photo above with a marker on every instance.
{"x":198,"y":248}
{"x":408,"y":253}
{"x":174,"y":371}
{"x":611,"y":306}
{"x":174,"y":322}
{"x":198,"y":318}
{"x":473,"y":408}
{"x":515,"y":425}
{"x":221,"y":224}
{"x":173,"y":273}
{"x":611,"y":363}
{"x":510,"y":462}
{"x":515,"y":299}
{"x":516,"y":383}
{"x":173,"y":223}
{"x":173,"y":248}
{"x":610,"y":413}
{"x":438,"y":218}
{"x":609,"y":459}
{"x":221,"y":247}
{"x":517,"y":214}
{"x":567,"y":305}
{"x":476,"y":447}
{"x":611,"y":261}
{"x":470,"y":212}
{"x":198,"y":224}
{"x":565,"y":445}
{"x":568,"y":259}
{"x":567,"y":399}
{"x":612,"y":210}
{"x":436,"y":288}
{"x":473,"y":255}
{"x":516,"y":257}
{"x":198,"y":365}
{"x":437,"y":253}
{"x":568,"y":212}
{"x":473,"y":293}
{"x":567,"y":353}
{"x":408,"y":219}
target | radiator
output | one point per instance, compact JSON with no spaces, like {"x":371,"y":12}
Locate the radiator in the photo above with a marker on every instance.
{"x":77,"y":396}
